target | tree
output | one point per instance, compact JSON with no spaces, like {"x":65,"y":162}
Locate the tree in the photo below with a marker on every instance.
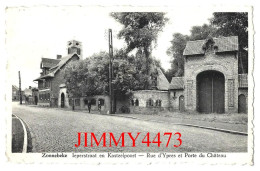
{"x":140,"y":31}
{"x":89,"y":77}
{"x":176,"y":52}
{"x":234,"y":24}
{"x":179,"y":42}
{"x":202,"y":32}
{"x":222,"y":24}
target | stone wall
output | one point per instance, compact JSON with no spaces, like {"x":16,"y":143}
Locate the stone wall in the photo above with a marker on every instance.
{"x":226,"y":63}
{"x":143,"y":97}
{"x":83,"y":103}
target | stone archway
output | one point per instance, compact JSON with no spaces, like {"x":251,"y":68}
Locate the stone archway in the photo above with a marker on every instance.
{"x":210,"y":92}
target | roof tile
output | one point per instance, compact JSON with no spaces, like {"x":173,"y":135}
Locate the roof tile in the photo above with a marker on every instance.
{"x":224,"y":44}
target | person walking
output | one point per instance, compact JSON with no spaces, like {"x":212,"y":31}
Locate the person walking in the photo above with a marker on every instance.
{"x":89,"y":107}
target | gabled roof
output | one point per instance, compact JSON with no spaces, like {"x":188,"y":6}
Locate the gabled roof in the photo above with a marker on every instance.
{"x":162,"y":82}
{"x":57,"y":67}
{"x":223,"y":44}
{"x":15,"y":87}
{"x":177,"y":83}
{"x":48,"y":63}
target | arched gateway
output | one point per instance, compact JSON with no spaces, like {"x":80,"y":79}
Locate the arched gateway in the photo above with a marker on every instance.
{"x":210,"y":92}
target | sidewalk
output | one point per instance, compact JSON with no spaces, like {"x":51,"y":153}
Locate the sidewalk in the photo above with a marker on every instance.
{"x":222,"y":122}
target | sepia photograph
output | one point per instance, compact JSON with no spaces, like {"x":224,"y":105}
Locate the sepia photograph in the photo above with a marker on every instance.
{"x":124,"y":82}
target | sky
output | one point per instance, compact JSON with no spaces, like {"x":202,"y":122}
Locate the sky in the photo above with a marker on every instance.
{"x":36,"y":32}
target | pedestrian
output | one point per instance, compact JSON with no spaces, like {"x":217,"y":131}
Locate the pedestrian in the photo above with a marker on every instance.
{"x":99,"y":106}
{"x":89,"y":106}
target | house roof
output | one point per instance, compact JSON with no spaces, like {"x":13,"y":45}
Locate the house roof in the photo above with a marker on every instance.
{"x":223,"y":44}
{"x":15,"y":87}
{"x":48,"y":63}
{"x":162,"y":82}
{"x":57,"y":67}
{"x":177,"y":83}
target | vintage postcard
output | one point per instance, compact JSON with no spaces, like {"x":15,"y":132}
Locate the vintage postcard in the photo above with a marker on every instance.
{"x":122,"y":84}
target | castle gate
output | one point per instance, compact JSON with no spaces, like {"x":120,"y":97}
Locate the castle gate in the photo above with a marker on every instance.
{"x":210,"y":92}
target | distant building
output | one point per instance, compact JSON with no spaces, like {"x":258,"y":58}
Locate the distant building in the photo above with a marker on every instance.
{"x":30,"y":95}
{"x":15,"y":93}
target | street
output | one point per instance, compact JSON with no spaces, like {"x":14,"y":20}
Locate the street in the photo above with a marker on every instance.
{"x":56,"y":130}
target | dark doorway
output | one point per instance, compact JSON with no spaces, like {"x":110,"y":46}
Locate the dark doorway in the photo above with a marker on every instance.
{"x":242,"y":106}
{"x":62,"y":101}
{"x":181,"y":103}
{"x":211,"y":92}
{"x":35,"y":100}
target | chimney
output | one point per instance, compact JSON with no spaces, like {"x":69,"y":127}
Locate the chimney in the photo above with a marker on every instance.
{"x":59,"y":56}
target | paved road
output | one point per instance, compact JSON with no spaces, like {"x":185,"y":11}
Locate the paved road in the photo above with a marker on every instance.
{"x":56,"y":130}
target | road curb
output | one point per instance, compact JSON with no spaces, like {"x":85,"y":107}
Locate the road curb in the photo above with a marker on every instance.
{"x":25,"y":137}
{"x":190,"y":125}
{"x":31,"y":134}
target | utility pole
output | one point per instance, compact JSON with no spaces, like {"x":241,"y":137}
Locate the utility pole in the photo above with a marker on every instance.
{"x":20,"y":91}
{"x":111,"y":91}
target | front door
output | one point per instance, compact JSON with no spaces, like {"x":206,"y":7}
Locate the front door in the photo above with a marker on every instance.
{"x":211,"y":92}
{"x":181,"y":103}
{"x":62,"y":102}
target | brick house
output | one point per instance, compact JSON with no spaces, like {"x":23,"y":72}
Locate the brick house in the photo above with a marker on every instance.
{"x":52,"y":90}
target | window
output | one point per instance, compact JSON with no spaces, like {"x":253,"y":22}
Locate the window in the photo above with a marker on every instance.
{"x":132,"y":102}
{"x":77,"y":102}
{"x":93,"y":102}
{"x":101,"y":102}
{"x":136,"y":102}
{"x":149,"y":102}
{"x":85,"y":101}
{"x":158,"y":103}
